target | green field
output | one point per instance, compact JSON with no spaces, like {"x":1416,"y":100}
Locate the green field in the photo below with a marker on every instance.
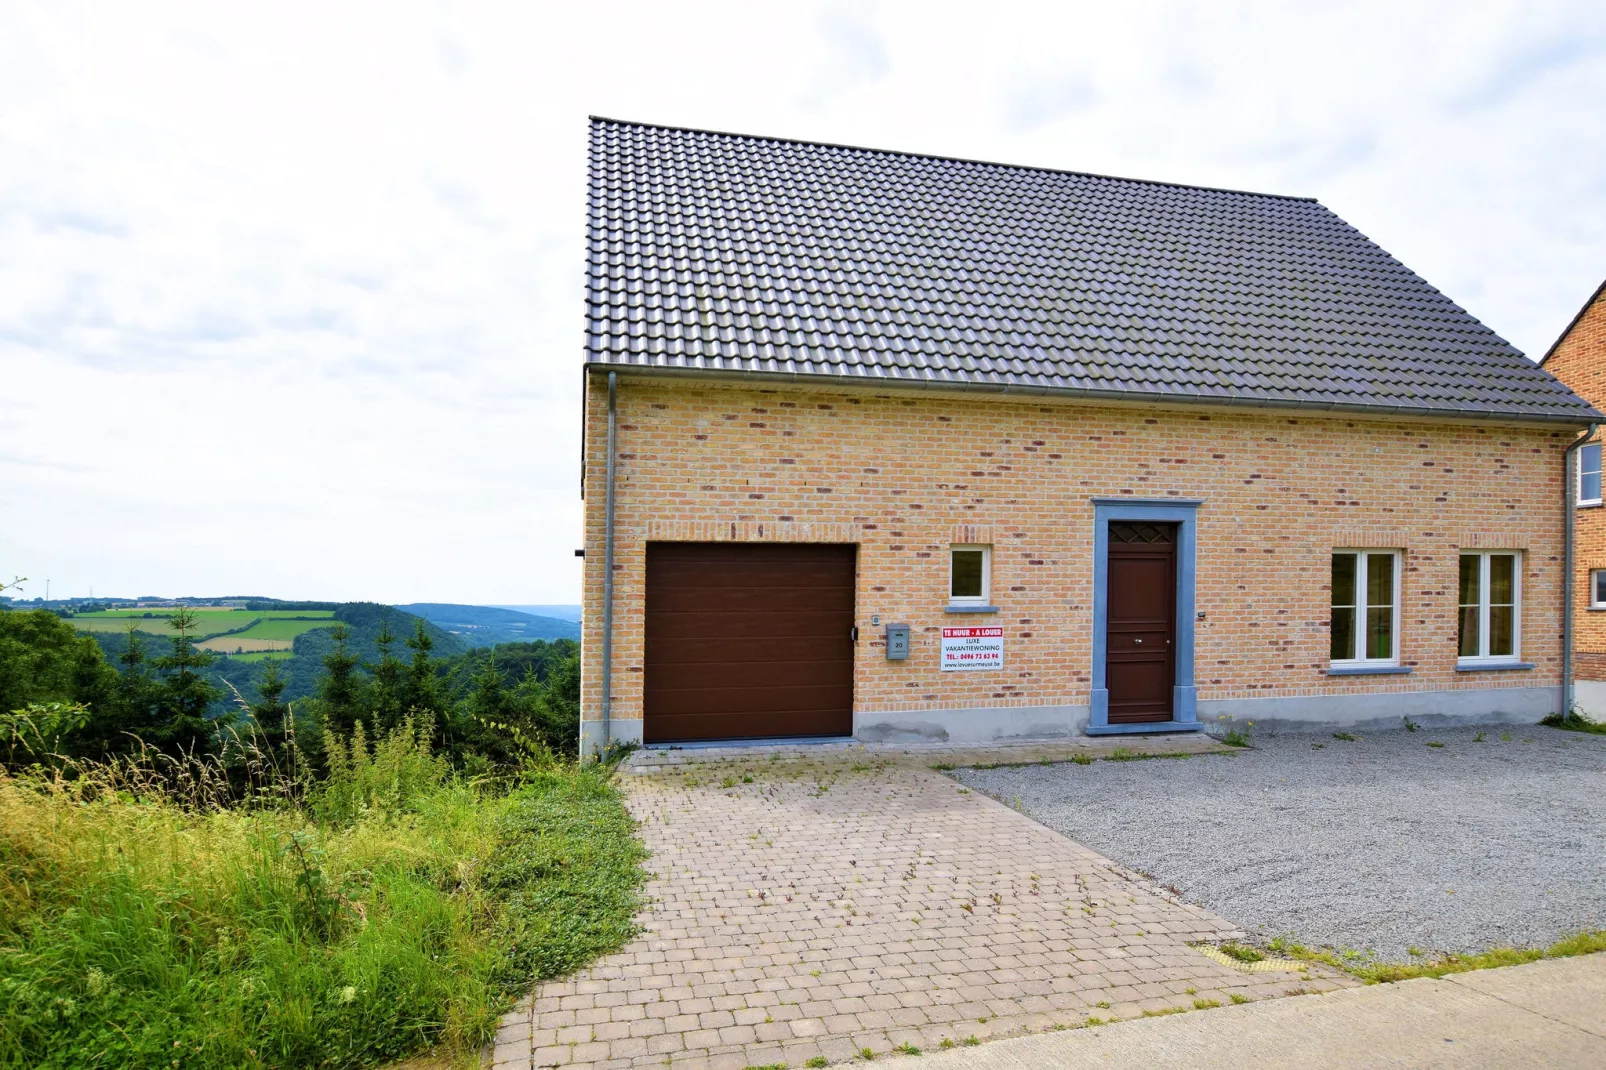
{"x":261,"y":656}
{"x":263,"y":629}
{"x":280,"y":628}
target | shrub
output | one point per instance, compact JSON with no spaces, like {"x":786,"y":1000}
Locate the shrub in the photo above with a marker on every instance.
{"x":1574,"y":721}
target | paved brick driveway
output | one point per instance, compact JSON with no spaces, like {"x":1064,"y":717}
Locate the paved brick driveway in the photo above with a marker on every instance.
{"x":827,"y":907}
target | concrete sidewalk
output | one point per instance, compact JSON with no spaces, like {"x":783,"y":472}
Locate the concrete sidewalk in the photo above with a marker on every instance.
{"x":1550,"y":1013}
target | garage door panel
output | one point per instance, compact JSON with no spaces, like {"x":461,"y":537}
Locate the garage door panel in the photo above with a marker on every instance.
{"x":758,"y":599}
{"x":748,"y":640}
{"x":692,"y":563}
{"x":737,"y":725}
{"x":717,"y":662}
{"x":740,"y":570}
{"x":756,"y":701}
{"x":693,"y":673}
{"x":758,"y":640}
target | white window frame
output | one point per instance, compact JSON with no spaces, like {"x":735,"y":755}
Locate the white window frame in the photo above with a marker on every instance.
{"x":1594,"y":589}
{"x":1483,"y":607}
{"x":1361,"y":555}
{"x":1586,"y":448}
{"x":986,"y":575}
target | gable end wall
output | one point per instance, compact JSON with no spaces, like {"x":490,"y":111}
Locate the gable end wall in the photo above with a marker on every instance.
{"x":1579,"y":360}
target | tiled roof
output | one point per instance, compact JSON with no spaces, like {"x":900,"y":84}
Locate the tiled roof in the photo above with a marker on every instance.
{"x":720,"y":253}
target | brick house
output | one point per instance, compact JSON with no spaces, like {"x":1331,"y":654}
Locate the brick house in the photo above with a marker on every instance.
{"x":1579,"y":359}
{"x":906,"y":448}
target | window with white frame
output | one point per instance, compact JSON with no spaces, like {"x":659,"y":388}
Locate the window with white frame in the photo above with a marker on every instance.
{"x":1589,"y":474}
{"x":1366,"y":608}
{"x":1491,"y":594}
{"x":1597,"y":589}
{"x":969,"y":575}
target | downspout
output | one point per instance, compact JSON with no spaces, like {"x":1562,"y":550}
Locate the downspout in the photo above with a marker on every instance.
{"x":1570,"y":507}
{"x":607,"y":574}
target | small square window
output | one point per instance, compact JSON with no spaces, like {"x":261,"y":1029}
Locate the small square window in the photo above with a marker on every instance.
{"x":1589,"y":474}
{"x":969,"y":575}
{"x":1597,"y":589}
{"x":1366,"y":608}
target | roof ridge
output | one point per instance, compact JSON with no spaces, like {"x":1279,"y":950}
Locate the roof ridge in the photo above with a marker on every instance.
{"x":1562,"y":337}
{"x":948,"y":159}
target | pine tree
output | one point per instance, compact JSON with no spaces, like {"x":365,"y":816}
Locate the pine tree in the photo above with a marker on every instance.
{"x":186,"y":695}
{"x":339,"y":689}
{"x":137,"y":703}
{"x":390,"y":683}
{"x":558,"y":709}
{"x":270,"y":712}
{"x":423,"y":694}
{"x":487,"y":697}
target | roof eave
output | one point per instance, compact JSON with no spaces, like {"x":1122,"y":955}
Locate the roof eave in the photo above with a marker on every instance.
{"x":1578,"y":420}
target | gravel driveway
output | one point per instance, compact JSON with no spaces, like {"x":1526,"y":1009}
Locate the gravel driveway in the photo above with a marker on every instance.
{"x":1442,"y":840}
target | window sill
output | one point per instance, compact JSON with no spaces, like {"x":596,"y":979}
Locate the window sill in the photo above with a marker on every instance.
{"x":1369,"y":670}
{"x":1596,"y":609}
{"x":1589,"y":505}
{"x":1492,"y":665}
{"x":964,"y":608}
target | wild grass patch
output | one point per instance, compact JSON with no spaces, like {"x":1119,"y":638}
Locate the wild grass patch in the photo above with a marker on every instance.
{"x":1374,"y":971}
{"x":394,"y":906}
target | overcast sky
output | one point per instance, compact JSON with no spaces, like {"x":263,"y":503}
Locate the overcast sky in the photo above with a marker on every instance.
{"x":291,"y":295}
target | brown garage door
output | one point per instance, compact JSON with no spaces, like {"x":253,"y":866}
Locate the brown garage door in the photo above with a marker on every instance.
{"x":748,"y":640}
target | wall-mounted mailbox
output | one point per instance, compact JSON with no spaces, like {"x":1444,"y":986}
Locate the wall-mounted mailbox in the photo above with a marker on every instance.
{"x":897,"y":642}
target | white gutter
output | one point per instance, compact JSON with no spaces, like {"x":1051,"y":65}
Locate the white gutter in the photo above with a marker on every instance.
{"x":1228,"y":401}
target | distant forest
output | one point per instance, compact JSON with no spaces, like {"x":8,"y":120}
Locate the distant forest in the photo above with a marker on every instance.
{"x":374,"y":664}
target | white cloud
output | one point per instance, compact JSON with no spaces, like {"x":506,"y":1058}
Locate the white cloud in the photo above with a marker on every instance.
{"x":290,"y":295}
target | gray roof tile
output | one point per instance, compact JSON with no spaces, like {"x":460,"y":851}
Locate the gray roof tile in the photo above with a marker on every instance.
{"x":731,"y":254}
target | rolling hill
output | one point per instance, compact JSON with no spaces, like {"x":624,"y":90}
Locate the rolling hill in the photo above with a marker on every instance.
{"x":490,"y":625}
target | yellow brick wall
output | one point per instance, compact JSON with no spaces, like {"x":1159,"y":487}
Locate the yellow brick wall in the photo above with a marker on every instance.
{"x":1579,"y":360}
{"x":904,"y":476}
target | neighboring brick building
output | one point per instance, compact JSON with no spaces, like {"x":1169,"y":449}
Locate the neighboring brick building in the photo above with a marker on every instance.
{"x":1150,"y":455}
{"x":1579,"y":359}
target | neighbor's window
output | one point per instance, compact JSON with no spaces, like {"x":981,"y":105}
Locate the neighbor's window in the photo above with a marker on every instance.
{"x":1589,"y":474}
{"x":1490,"y":594}
{"x":969,"y":575}
{"x":1597,"y":589}
{"x":1366,"y":607}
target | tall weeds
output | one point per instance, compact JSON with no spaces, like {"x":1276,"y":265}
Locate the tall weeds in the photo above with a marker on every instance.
{"x":159,"y":911}
{"x":391,"y":777}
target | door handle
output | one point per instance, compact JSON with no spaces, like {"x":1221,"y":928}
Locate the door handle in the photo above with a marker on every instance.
{"x":1138,"y":641}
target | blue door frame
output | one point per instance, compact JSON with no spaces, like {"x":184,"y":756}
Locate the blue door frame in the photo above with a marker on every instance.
{"x":1184,"y":703}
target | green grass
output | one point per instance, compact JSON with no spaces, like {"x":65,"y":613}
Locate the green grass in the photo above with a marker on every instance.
{"x":273,"y":634}
{"x":261,"y":655}
{"x":244,"y":614}
{"x":1575,"y":722}
{"x":281,"y":629}
{"x":1241,"y":952}
{"x":402,"y":907}
{"x":269,"y":623}
{"x":1122,"y":754}
{"x":1374,"y":971}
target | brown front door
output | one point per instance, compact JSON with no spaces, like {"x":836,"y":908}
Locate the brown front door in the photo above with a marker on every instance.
{"x":1142,"y":620}
{"x":748,"y":640}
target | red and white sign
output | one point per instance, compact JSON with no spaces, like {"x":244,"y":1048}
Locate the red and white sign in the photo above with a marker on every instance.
{"x":965,"y":649}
